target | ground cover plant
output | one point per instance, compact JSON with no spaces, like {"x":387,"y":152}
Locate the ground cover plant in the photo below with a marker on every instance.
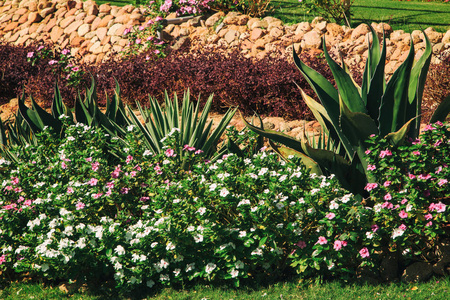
{"x":71,"y":211}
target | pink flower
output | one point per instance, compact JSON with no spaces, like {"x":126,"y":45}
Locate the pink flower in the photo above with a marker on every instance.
{"x":158,"y":18}
{"x":63,"y":165}
{"x":387,"y":183}
{"x":371,"y":186}
{"x":30,"y":54}
{"x":52,"y":62}
{"x":387,"y":205}
{"x":439,"y":207}
{"x":96,"y":196}
{"x":385,"y":153}
{"x":132,"y":174}
{"x":108,"y":192}
{"x":387,"y":197}
{"x":442,"y":182}
{"x":402,"y":227}
{"x":144,"y":199}
{"x":95,"y":166}
{"x":129,"y":159}
{"x":27,"y":202}
{"x":141,"y":28}
{"x":428,"y":217}
{"x":138,"y":41}
{"x":322,"y":240}
{"x":124,"y":190}
{"x":411,"y":176}
{"x":429,"y":224}
{"x":416,"y":152}
{"x":2,"y":259}
{"x":301,"y":244}
{"x":80,"y":205}
{"x":75,"y":69}
{"x":403,"y":214}
{"x":170,"y":153}
{"x":89,"y":159}
{"x":424,"y":176}
{"x":156,"y":51}
{"x":110,"y":184}
{"x":70,"y":190}
{"x":364,"y":252}
{"x":404,"y":201}
{"x":367,"y":151}
{"x":137,"y":168}
{"x":65,"y":51}
{"x":438,"y":170}
{"x":428,"y":127}
{"x":93,"y":181}
{"x":375,"y":227}
{"x":198,"y":152}
{"x":330,"y":216}
{"x":337,"y":245}
{"x":14,"y":180}
{"x":371,"y":167}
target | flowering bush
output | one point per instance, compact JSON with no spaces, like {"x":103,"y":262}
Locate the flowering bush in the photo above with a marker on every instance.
{"x":180,"y":7}
{"x":411,"y":195}
{"x":70,"y":211}
{"x":62,"y":62}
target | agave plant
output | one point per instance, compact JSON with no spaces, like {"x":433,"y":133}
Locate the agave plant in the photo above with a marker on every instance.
{"x":351,"y":113}
{"x":194,"y":130}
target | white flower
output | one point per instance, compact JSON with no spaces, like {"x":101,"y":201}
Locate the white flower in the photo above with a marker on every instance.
{"x":148,"y":153}
{"x":397,"y":232}
{"x":164,"y":277}
{"x":198,"y":238}
{"x":81,"y":243}
{"x":176,"y":272}
{"x":313,"y":191}
{"x":262,"y":171}
{"x":334,"y":205}
{"x":224,"y":192}
{"x":346,"y":198}
{"x":119,"y":250}
{"x":280,"y":225}
{"x":210,"y":267}
{"x":239,"y":264}
{"x":234,"y":273}
{"x":212,"y":187}
{"x":130,"y":127}
{"x":409,"y":207}
{"x":254,"y":208}
{"x":247,"y":161}
{"x":201,"y":211}
{"x":242,"y":233}
{"x":257,"y":251}
{"x":244,"y":202}
{"x":191,"y":228}
{"x":282,"y":178}
{"x":163,"y":264}
{"x":153,"y":245}
{"x":190,"y":267}
{"x":377,"y":207}
{"x":369,"y":235}
{"x":170,"y":246}
{"x":279,"y":205}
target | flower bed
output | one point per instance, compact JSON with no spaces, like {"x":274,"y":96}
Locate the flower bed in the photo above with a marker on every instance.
{"x":72,"y":211}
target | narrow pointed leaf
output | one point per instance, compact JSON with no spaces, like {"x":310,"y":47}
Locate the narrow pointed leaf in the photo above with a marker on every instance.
{"x":398,"y":137}
{"x":442,"y":111}
{"x":286,"y":152}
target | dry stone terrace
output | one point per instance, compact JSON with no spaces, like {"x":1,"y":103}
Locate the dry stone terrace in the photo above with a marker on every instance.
{"x":94,"y":32}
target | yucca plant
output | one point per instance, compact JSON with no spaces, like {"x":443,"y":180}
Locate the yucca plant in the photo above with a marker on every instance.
{"x":194,"y":130}
{"x":351,"y":113}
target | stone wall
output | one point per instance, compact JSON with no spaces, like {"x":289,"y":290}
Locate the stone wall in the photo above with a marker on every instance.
{"x":94,"y":31}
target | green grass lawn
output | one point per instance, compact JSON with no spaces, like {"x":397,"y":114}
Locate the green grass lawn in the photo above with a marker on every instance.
{"x":406,"y":15}
{"x":435,"y":289}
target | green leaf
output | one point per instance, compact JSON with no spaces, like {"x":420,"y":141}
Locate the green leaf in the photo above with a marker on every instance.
{"x":397,"y":138}
{"x":442,"y":111}
{"x":347,"y":89}
{"x":395,"y":99}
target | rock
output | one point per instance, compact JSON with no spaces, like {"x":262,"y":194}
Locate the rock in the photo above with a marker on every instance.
{"x":417,"y":36}
{"x":417,"y":272}
{"x":211,"y":21}
{"x":321,"y":26}
{"x":446,"y":37}
{"x":89,"y":19}
{"x":73,"y":27}
{"x":112,"y":30}
{"x":104,"y":8}
{"x":231,"y":36}
{"x":276,"y":32}
{"x":256,"y":34}
{"x":438,"y":48}
{"x":101,"y":32}
{"x":231,"y":18}
{"x":311,"y":39}
{"x":433,"y":36}
{"x":389,"y":268}
{"x":56,"y":33}
{"x":66,"y":22}
{"x":83,"y":29}
{"x":362,"y":29}
{"x":334,"y":29}
{"x":11,"y":26}
{"x":180,"y":43}
{"x":303,"y":27}
{"x":259,"y":24}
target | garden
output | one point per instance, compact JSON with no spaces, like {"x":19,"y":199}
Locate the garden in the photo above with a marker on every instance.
{"x":109,"y":192}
